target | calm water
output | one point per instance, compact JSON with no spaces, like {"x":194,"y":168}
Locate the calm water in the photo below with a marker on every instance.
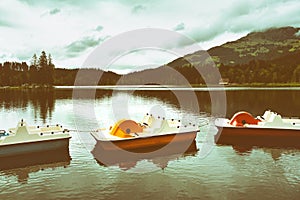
{"x":204,"y":172}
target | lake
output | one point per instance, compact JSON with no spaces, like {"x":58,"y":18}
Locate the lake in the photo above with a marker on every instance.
{"x":205,"y":171}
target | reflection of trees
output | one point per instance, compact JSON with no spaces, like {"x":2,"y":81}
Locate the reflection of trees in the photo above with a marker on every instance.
{"x":83,"y":93}
{"x":285,"y":102}
{"x":42,"y":100}
{"x":182,"y":99}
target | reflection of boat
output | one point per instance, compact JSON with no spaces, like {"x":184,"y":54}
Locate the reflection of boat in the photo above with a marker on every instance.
{"x":22,"y":165}
{"x":152,"y":132}
{"x":268,"y":130}
{"x":242,"y":149}
{"x":275,"y":152}
{"x":127,"y":160}
{"x":28,"y":139}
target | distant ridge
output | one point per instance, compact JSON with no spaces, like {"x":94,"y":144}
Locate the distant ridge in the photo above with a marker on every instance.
{"x":270,"y":56}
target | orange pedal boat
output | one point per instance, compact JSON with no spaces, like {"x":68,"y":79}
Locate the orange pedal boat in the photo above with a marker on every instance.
{"x":150,"y":133}
{"x":267,"y":130}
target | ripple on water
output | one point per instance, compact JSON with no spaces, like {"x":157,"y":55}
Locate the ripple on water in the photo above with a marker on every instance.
{"x":225,"y":172}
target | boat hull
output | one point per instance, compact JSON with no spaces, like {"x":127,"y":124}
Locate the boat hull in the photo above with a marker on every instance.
{"x":51,"y":159}
{"x":269,"y":137}
{"x":113,"y":157}
{"x":148,"y":143}
{"x":32,"y":147}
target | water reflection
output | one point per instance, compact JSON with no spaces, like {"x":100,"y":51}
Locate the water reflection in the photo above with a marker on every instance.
{"x":253,"y":101}
{"x":181,"y":99}
{"x":21,"y":166}
{"x":276,"y":153}
{"x":284,"y":102}
{"x":268,"y":168}
{"x":242,"y":150}
{"x":224,"y":173}
{"x":42,"y":100}
{"x":127,"y":160}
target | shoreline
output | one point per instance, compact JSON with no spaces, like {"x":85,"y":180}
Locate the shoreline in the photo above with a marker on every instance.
{"x":254,"y":86}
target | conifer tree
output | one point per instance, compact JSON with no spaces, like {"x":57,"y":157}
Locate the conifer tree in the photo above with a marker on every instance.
{"x":33,"y":70}
{"x":43,"y":64}
{"x":50,"y":70}
{"x":33,"y":61}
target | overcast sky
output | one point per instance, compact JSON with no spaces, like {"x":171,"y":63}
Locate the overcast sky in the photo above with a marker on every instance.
{"x":71,"y":29}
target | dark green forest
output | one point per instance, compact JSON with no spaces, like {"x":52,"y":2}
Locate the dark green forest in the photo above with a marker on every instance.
{"x":256,"y":71}
{"x":42,"y":72}
{"x":259,"y":71}
{"x":39,"y":72}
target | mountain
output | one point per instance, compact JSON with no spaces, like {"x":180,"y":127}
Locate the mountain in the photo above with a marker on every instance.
{"x":268,"y":56}
{"x":268,"y":45}
{"x":271,"y":44}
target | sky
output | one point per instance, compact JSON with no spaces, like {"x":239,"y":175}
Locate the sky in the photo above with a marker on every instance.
{"x":72,"y":29}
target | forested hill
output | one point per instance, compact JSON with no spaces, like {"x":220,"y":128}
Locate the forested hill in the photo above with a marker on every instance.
{"x":269,"y":45}
{"x":270,"y":56}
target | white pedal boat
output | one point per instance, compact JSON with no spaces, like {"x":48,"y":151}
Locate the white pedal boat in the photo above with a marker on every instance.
{"x":26,"y":139}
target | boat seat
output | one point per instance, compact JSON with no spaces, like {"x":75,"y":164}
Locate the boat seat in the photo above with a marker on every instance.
{"x":166,"y":126}
{"x":276,"y":120}
{"x":266,"y":116}
{"x":154,"y":126}
{"x":147,"y":120}
{"x":273,"y":117}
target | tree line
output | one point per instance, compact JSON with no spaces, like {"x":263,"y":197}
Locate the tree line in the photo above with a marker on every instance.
{"x":256,"y":71}
{"x":40,"y":72}
{"x":259,"y":71}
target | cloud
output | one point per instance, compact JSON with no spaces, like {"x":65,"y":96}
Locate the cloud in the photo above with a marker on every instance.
{"x":138,"y":8}
{"x":99,"y":28}
{"x":247,"y":16}
{"x":25,"y":55}
{"x":298,"y":34}
{"x":70,"y":28}
{"x":61,"y":3}
{"x":5,"y":23}
{"x":54,"y":11}
{"x":4,"y":56}
{"x":51,"y":12}
{"x":77,"y":47}
{"x":179,"y":27}
{"x":140,"y":59}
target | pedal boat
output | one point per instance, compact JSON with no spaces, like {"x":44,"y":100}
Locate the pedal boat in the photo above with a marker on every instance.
{"x":152,"y":132}
{"x":268,"y":130}
{"x":26,"y":139}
